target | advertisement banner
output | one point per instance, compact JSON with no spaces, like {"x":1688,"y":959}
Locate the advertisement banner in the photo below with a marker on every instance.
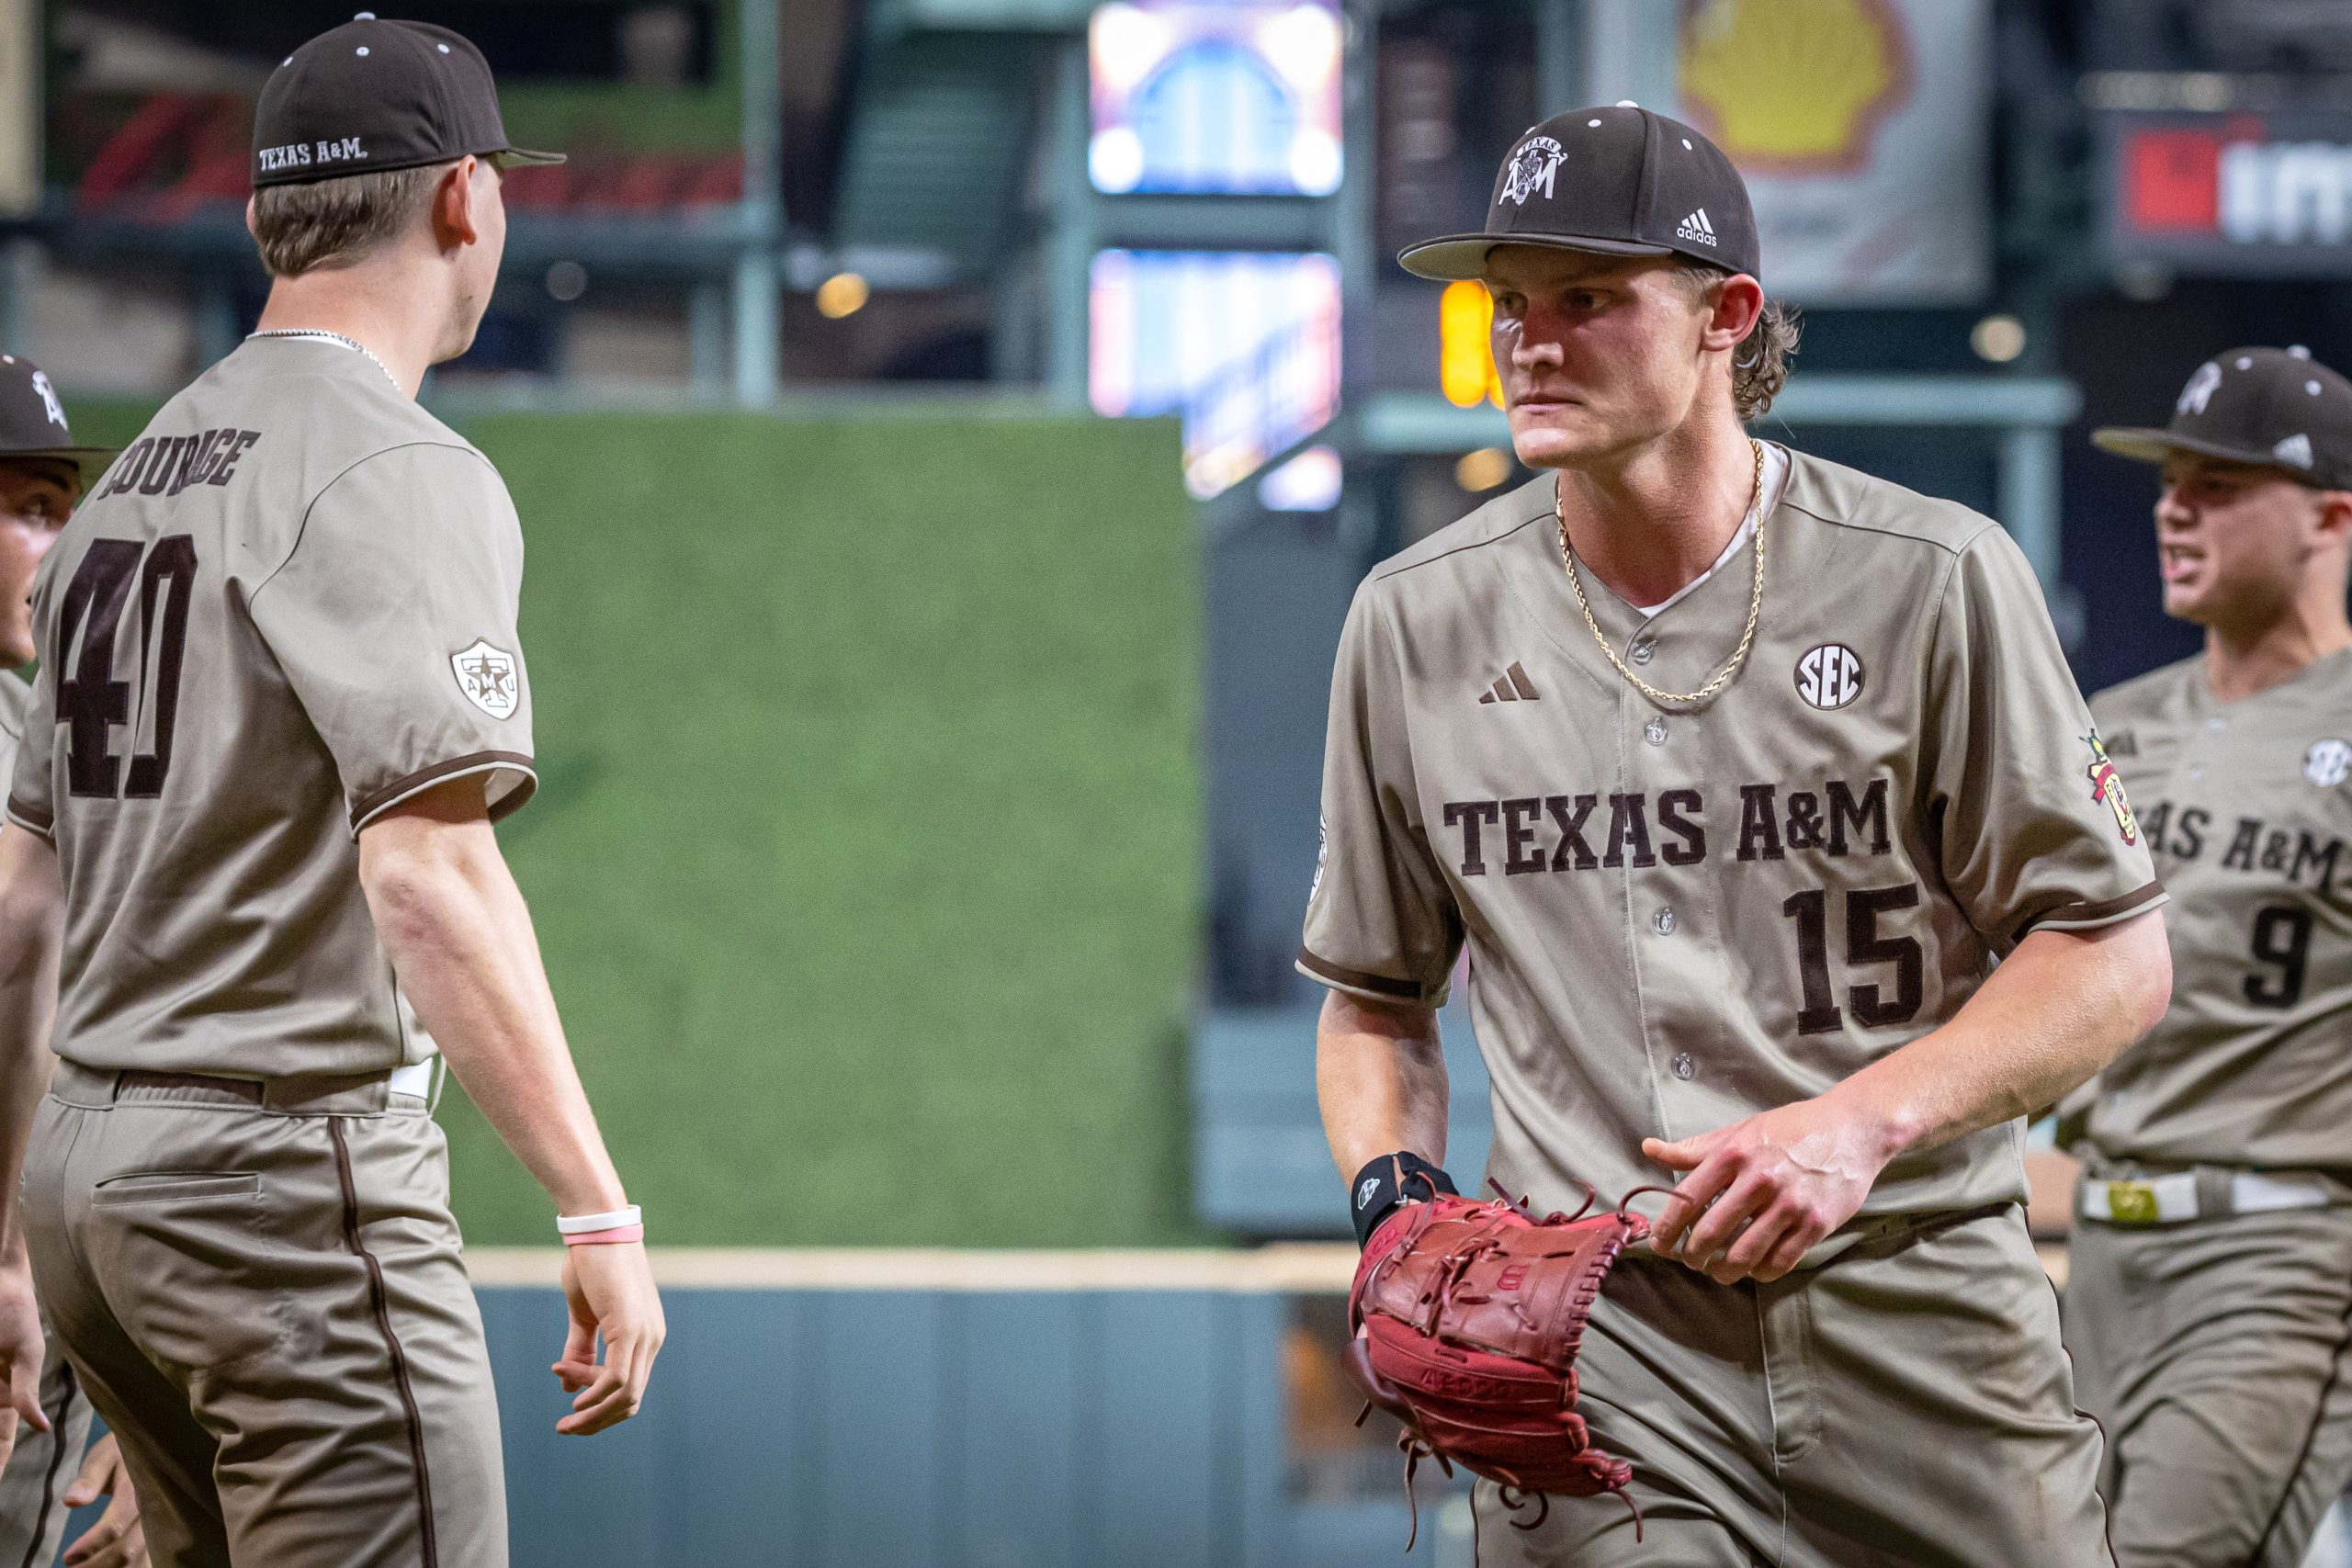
{"x":2235,"y":195}
{"x":1863,"y":130}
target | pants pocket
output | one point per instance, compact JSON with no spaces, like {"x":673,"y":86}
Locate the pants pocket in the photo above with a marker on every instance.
{"x":169,"y":1186}
{"x":185,"y":1265}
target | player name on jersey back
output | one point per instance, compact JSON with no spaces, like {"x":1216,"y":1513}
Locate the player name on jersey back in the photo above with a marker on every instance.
{"x":166,"y":465}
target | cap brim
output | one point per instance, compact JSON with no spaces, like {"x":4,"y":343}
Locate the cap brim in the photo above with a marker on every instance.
{"x":523,"y":158}
{"x":1458,"y":258}
{"x":2147,"y":445}
{"x":90,"y":462}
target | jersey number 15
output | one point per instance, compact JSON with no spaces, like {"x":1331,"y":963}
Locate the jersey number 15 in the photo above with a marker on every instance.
{"x":90,"y":701}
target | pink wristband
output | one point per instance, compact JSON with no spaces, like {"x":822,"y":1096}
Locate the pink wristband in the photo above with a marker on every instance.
{"x":604,"y":1238}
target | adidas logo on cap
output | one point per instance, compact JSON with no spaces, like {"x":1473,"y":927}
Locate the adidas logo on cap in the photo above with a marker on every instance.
{"x":2295,"y":449}
{"x":1696,"y":229}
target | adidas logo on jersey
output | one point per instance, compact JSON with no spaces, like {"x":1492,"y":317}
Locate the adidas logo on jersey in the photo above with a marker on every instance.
{"x":1512,"y":687}
{"x":1696,"y":229}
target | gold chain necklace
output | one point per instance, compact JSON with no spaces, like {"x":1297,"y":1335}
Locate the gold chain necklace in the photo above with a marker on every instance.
{"x":1746,"y":637}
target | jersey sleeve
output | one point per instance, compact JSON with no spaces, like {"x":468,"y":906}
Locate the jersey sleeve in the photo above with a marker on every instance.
{"x":2034,"y":828}
{"x":32,"y":781}
{"x":1381,"y":921}
{"x":31,"y":776}
{"x":394,"y":619}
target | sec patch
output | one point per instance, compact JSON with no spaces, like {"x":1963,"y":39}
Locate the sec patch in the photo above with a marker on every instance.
{"x":2328,"y":762}
{"x":1830,"y":676}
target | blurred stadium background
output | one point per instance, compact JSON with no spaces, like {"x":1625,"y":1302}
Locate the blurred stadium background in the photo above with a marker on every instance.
{"x":947,"y":433}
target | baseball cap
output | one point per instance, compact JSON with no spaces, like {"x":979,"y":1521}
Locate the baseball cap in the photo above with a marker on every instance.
{"x":33,"y":421}
{"x":376,"y":95}
{"x":1619,"y":181}
{"x":2277,"y":407}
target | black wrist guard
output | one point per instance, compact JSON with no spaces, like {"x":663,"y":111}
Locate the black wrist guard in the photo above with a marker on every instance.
{"x":1387,"y":1181}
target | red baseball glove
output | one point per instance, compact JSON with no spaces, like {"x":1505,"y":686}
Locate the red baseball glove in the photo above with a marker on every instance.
{"x":1467,"y":1318}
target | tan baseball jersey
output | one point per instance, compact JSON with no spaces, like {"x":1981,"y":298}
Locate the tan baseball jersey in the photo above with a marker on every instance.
{"x":16,"y":697}
{"x":289,"y":606}
{"x":2247,"y":806}
{"x":1676,"y":919}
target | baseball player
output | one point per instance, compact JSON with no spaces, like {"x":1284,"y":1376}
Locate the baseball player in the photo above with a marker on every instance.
{"x":42,"y":474}
{"x":1734,"y":771}
{"x":280,"y":701}
{"x":2209,"y":1305}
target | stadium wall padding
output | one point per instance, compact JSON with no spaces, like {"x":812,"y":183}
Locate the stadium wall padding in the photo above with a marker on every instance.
{"x":866,"y":858}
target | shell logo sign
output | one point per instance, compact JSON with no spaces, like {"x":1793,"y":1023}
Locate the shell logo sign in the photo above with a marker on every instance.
{"x":1793,"y":87}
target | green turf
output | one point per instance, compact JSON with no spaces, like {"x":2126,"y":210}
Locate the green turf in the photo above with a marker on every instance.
{"x":866,"y":861}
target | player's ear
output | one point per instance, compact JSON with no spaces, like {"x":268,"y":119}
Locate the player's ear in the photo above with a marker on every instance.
{"x":1733,"y":307}
{"x":453,"y":206}
{"x":2333,"y":525}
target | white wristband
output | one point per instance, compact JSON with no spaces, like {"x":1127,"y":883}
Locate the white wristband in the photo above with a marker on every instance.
{"x":612,"y":1219}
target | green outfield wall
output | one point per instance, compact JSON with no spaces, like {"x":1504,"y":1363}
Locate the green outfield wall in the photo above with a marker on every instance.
{"x":867,"y":855}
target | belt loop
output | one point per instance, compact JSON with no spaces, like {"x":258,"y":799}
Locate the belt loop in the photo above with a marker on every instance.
{"x":71,"y":1083}
{"x":2214,"y":1198}
{"x":327,"y":1096}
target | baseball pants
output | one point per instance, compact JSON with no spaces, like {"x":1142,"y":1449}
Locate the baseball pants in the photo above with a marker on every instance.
{"x":260,"y":1287}
{"x":1905,"y":1403}
{"x":2214,"y":1353}
{"x":41,"y":1467}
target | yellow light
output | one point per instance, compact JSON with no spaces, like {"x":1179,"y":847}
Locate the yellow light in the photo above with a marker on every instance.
{"x":1482,"y":470}
{"x":1997,"y":338}
{"x":1465,"y":318}
{"x":843,"y":294}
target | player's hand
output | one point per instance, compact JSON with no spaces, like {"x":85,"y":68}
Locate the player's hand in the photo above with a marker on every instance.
{"x":1760,"y":1192}
{"x":609,"y":1290}
{"x":116,"y":1541}
{"x":20,"y":1349}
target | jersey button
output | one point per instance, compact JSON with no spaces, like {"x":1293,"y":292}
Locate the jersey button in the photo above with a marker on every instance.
{"x":1684,"y":1067}
{"x":1644,"y":649}
{"x":1655,"y":731}
{"x":1664,"y":921}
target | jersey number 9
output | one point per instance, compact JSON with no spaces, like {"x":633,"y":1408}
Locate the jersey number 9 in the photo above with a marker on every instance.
{"x":2282,"y":935}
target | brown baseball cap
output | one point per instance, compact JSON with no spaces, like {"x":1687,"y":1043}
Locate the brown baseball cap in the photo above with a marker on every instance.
{"x":1620,"y":180}
{"x":33,"y":421}
{"x":2276,"y":407}
{"x":376,"y":95}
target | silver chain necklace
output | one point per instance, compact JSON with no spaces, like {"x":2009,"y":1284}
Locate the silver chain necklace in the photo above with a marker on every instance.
{"x":320,"y":335}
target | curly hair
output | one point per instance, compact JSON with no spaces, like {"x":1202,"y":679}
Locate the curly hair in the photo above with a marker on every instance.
{"x":1759,"y":365}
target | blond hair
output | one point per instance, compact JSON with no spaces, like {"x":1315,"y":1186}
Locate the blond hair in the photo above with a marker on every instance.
{"x":1759,"y":365}
{"x":336,"y":222}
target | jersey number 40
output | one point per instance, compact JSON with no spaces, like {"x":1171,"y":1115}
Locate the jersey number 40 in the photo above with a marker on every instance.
{"x":90,"y":701}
